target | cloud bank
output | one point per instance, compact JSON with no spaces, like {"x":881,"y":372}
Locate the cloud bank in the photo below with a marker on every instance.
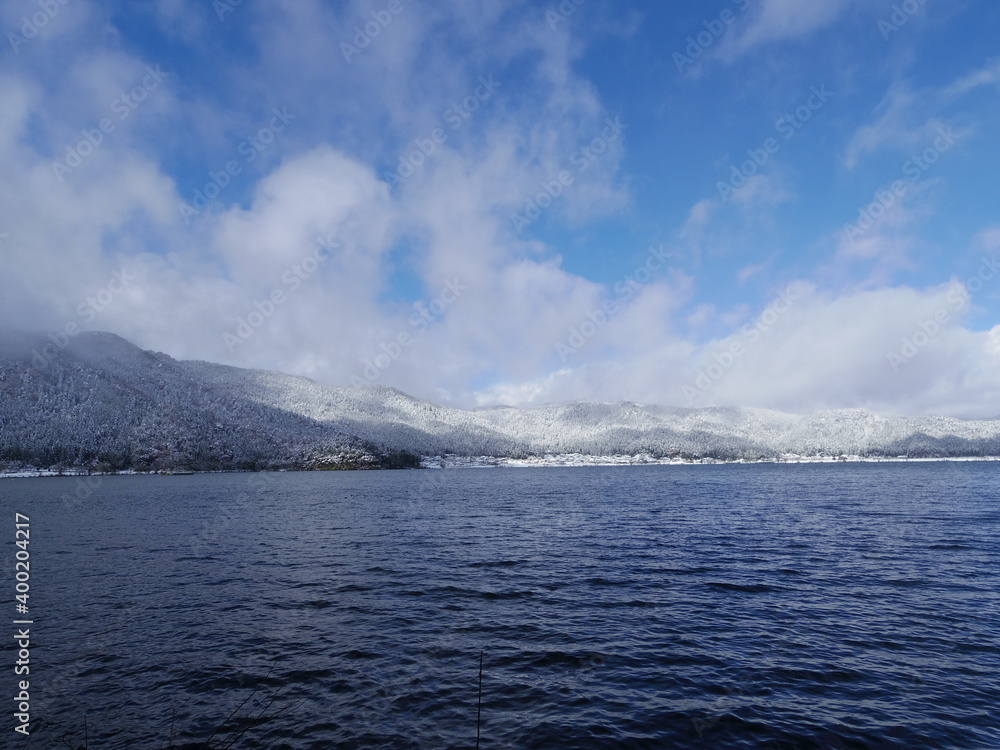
{"x":393,"y":193}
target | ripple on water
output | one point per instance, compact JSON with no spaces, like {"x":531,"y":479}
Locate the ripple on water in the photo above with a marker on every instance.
{"x":732,"y":607}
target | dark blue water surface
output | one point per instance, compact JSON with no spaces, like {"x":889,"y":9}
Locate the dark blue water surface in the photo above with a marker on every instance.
{"x":774,"y":606}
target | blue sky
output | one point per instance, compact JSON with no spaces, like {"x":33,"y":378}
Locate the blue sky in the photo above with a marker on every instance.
{"x":765,"y":203}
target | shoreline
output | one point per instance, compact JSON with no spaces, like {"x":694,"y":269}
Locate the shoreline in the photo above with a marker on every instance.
{"x":562,"y":460}
{"x":580,"y":459}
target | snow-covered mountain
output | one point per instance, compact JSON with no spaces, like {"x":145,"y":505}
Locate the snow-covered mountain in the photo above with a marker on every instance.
{"x":102,"y":401}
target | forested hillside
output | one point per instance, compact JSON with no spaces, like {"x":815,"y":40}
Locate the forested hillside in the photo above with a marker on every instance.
{"x":103,"y":403}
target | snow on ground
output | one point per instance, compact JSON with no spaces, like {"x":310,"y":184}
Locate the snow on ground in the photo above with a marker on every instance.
{"x":579,"y":459}
{"x":104,"y":403}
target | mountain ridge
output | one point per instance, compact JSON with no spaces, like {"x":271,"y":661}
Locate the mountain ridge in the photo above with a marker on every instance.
{"x":100,"y":402}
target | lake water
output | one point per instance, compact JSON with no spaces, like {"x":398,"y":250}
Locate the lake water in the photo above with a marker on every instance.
{"x":761,"y":606}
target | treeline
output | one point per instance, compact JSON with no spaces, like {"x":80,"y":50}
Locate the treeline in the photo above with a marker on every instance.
{"x":144,"y":412}
{"x":104,"y":404}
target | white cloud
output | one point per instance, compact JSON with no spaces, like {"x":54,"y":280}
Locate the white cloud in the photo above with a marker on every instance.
{"x":988,"y":240}
{"x":822,"y":352}
{"x":449,"y":223}
{"x":908,"y":119}
{"x":988,"y":75}
{"x":194,"y":284}
{"x":780,"y":20}
{"x":897,"y":129}
{"x":182,"y":19}
{"x":748,"y":272}
{"x":15,"y":106}
{"x":318,"y":194}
